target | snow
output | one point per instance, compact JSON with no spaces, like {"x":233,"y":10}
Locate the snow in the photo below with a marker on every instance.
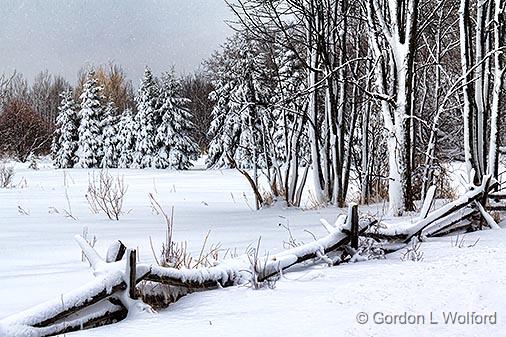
{"x":73,"y":298}
{"x":40,"y":261}
{"x":325,"y":301}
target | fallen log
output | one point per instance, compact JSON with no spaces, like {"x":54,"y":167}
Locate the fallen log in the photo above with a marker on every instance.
{"x":428,"y":202}
{"x":497,"y":196}
{"x":212,"y":277}
{"x":109,"y":281}
{"x":496,"y":208}
{"x":450,"y":223}
{"x":204,"y":278}
{"x":235,"y":271}
{"x":463,"y":226}
{"x":225,"y":274}
{"x":105,"y":299}
{"x":487,"y":217}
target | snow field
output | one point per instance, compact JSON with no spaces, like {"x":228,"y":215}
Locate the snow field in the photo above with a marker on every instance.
{"x":40,"y":261}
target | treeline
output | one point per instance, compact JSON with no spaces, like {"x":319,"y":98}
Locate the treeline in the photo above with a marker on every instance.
{"x":93,"y":133}
{"x":28,"y":113}
{"x":30,"y":119}
{"x":382,"y":93}
{"x":366,"y":100}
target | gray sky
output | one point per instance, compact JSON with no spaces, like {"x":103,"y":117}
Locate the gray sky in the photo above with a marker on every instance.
{"x":63,"y":35}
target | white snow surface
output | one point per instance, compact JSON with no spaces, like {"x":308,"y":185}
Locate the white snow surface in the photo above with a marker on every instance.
{"x":39,"y":261}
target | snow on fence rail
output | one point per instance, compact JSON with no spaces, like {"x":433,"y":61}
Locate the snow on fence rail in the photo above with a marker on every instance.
{"x":112,"y":295}
{"x":443,"y":218}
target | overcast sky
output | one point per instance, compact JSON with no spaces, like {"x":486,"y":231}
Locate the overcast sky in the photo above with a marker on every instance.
{"x":63,"y":35}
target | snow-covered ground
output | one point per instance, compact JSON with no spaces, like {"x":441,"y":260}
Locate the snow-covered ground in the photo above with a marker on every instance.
{"x":39,"y":260}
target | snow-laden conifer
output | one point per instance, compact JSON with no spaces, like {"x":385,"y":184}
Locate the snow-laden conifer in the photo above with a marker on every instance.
{"x":110,"y":137}
{"x":126,"y":130}
{"x":147,"y":119}
{"x":65,"y":141}
{"x":176,"y":146}
{"x":90,"y":149}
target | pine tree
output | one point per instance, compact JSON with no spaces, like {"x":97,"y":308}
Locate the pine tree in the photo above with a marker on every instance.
{"x":127,"y":129}
{"x":148,"y":120}
{"x":90,"y":150}
{"x":65,"y":141}
{"x":176,"y":146}
{"x":110,"y":137}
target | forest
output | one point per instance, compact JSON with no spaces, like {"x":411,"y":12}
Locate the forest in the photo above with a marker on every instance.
{"x":381,"y":95}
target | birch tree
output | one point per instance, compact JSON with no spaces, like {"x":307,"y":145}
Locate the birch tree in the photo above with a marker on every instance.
{"x":392,"y":35}
{"x":321,"y":28}
{"x":482,"y":45}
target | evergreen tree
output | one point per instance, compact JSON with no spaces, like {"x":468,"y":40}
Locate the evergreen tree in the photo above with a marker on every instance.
{"x":110,"y":137}
{"x":148,"y":120}
{"x":225,"y":128}
{"x":90,"y":149}
{"x":126,"y":130}
{"x":176,"y":146}
{"x":236,"y":129}
{"x":55,"y":145}
{"x":64,"y":145}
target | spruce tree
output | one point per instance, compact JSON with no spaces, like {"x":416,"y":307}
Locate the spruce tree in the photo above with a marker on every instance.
{"x":90,"y":149}
{"x":127,"y":130}
{"x":176,"y":147}
{"x":110,"y":137}
{"x":147,"y":119}
{"x":225,"y":128}
{"x":55,"y":144}
{"x":64,"y":145}
{"x":236,"y":126}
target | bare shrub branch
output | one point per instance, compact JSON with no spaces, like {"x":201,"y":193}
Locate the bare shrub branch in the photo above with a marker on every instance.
{"x":258,"y":267}
{"x":106,"y":193}
{"x":6,"y":176}
{"x":413,"y":253}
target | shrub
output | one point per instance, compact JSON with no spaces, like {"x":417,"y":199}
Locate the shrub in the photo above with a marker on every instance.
{"x":23,"y":132}
{"x":6,"y":175}
{"x":106,"y":193}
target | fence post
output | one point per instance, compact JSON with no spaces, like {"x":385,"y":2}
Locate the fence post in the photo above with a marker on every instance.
{"x":353,"y":218}
{"x":132,"y":271}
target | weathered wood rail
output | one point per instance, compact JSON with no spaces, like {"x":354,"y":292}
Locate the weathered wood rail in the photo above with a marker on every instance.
{"x":444,"y":220}
{"x":112,"y":294}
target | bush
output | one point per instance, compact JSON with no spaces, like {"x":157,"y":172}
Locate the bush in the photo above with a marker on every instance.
{"x":106,"y":194}
{"x":6,"y":175}
{"x":23,"y":132}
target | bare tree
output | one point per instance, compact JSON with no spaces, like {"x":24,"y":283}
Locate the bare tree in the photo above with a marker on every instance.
{"x":482,"y":45}
{"x":197,"y":88}
{"x":117,"y":88}
{"x":393,"y":38}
